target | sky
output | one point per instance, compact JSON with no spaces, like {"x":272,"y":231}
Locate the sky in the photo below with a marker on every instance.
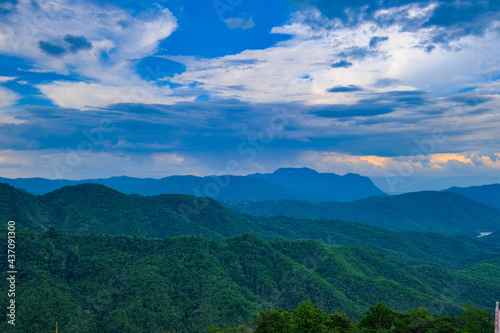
{"x":403,"y":91}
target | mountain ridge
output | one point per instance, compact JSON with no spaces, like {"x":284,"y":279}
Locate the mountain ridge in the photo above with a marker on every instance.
{"x":93,"y":208}
{"x":434,"y":211}
{"x":255,"y":187}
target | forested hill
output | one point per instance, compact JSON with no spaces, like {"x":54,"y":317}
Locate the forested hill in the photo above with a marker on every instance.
{"x":486,"y":194}
{"x":429,"y":211}
{"x":104,"y":283}
{"x":92,"y":208}
{"x":287,"y":183}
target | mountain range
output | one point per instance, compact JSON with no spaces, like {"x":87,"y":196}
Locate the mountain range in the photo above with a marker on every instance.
{"x":486,"y":194}
{"x":286,"y":183}
{"x":101,"y":260}
{"x":442,"y":212}
{"x":96,"y":209}
{"x":102,"y":283}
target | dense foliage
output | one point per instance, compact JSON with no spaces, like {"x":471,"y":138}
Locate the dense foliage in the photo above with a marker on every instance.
{"x":486,"y":194}
{"x":103,"y":283}
{"x":310,"y":318}
{"x":92,"y":208}
{"x":147,"y":280}
{"x":442,"y":212}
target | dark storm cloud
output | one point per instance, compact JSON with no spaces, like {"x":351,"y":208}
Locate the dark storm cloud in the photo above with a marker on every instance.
{"x":77,"y":43}
{"x":470,"y":99}
{"x":69,"y":43}
{"x":356,"y":110}
{"x":415,"y":97}
{"x":357,"y":53}
{"x":220,"y":126}
{"x":401,"y":98}
{"x":51,"y":49}
{"x":342,"y":64}
{"x":378,"y":104}
{"x":343,"y":89}
{"x":377,"y":40}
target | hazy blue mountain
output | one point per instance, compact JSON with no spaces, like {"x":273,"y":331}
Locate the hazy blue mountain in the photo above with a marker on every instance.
{"x":486,"y":194}
{"x":322,"y":186}
{"x":38,"y":185}
{"x":220,"y":187}
{"x":298,"y":184}
{"x":397,"y":184}
{"x":442,"y":212}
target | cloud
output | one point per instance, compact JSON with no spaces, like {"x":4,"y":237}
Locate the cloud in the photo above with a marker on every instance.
{"x":342,"y":64}
{"x":51,"y":49}
{"x":81,"y":95}
{"x":103,"y":50}
{"x":77,"y":43}
{"x":368,"y":137}
{"x":6,"y":78}
{"x":440,"y":160}
{"x":343,"y":89}
{"x":386,"y":82}
{"x":400,"y":167}
{"x":377,"y":40}
{"x":318,"y":47}
{"x":7,"y":97}
{"x":443,"y":21}
{"x":239,"y":23}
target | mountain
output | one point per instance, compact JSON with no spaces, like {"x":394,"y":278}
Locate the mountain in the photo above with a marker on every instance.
{"x":298,"y":184}
{"x":442,"y":212}
{"x":96,"y":209}
{"x":398,"y":185}
{"x":486,"y":194}
{"x":215,"y":273}
{"x":102,"y":283}
{"x":322,"y":186}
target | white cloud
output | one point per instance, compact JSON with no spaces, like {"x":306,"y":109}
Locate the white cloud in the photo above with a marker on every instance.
{"x":81,"y":95}
{"x":300,"y":69}
{"x":116,"y":37}
{"x":7,"y":97}
{"x":6,"y":79}
{"x":52,"y":164}
{"x":438,"y":164}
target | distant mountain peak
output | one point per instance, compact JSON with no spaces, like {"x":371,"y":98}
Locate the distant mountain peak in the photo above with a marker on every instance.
{"x":300,"y":171}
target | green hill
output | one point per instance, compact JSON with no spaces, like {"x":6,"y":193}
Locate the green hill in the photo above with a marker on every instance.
{"x":486,"y":194}
{"x":442,"y":212}
{"x":93,"y":208}
{"x":103,"y":283}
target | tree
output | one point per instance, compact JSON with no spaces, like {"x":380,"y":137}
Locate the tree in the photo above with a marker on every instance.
{"x":273,"y":322}
{"x":476,"y":321}
{"x":339,"y":322}
{"x":308,"y":318}
{"x":378,"y":317}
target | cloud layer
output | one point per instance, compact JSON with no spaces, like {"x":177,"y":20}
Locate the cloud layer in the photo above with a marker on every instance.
{"x":373,"y":87}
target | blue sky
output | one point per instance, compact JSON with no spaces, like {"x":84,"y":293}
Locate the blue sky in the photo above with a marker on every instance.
{"x":391,"y":89}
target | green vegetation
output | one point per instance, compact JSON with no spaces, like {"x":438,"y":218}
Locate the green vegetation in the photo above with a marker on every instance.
{"x":310,"y":318}
{"x":110,"y":262}
{"x":486,"y":194}
{"x":446,"y":213}
{"x":105,"y":283}
{"x":93,"y":208}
